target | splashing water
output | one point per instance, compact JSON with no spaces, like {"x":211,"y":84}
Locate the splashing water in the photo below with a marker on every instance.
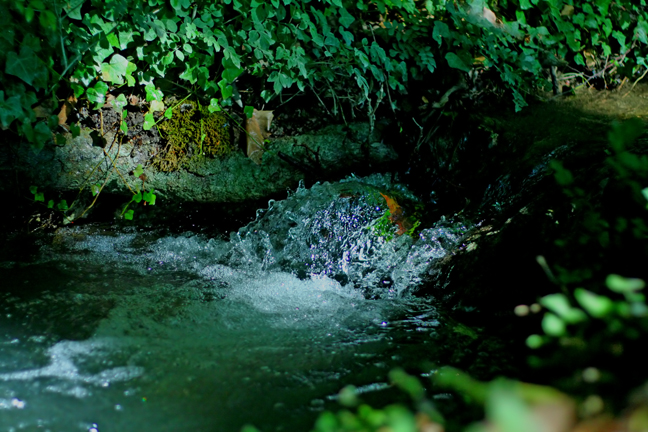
{"x":121,"y":331}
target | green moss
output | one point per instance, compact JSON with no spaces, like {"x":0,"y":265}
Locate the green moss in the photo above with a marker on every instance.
{"x":193,"y":134}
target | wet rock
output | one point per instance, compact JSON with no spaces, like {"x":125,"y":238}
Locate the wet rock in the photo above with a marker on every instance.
{"x":333,"y":150}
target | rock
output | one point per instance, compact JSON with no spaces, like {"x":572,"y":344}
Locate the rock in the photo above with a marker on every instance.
{"x":333,"y":150}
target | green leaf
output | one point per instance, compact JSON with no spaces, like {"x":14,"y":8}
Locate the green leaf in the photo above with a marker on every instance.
{"x":123,"y":127}
{"x":152,"y":93}
{"x":230,"y":74}
{"x":563,"y":176}
{"x":60,"y":139}
{"x":596,"y":305}
{"x":157,"y":105}
{"x":454,"y":61}
{"x":95,"y":189}
{"x":47,"y":19}
{"x":642,"y":31}
{"x":97,"y":93}
{"x":167,"y":59}
{"x":534,"y":341}
{"x":119,"y":103}
{"x":249,"y":111}
{"x":441,"y":29}
{"x":52,"y":122}
{"x":29,"y":15}
{"x":78,"y":89}
{"x":42,"y":134}
{"x":27,"y":66}
{"x":552,"y":325}
{"x":149,"y":121}
{"x":33,"y":189}
{"x":50,"y":204}
{"x":115,"y":70}
{"x":138,"y":171}
{"x":137,"y":197}
{"x":40,"y":196}
{"x":75,"y":129}
{"x":407,"y":383}
{"x":149,"y":197}
{"x":180,"y":4}
{"x":624,"y":134}
{"x":620,"y":284}
{"x":129,"y":214}
{"x":346,"y":19}
{"x":113,"y":40}
{"x":125,"y":38}
{"x":10,"y":109}
{"x":226,"y":89}
{"x":63,"y":205}
{"x":559,"y":304}
{"x":213,"y":105}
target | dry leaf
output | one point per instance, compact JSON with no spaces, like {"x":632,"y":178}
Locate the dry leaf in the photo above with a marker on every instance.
{"x":258,"y":129}
{"x":66,"y":110}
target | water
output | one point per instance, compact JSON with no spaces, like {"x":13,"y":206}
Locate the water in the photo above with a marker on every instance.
{"x":124,"y":330}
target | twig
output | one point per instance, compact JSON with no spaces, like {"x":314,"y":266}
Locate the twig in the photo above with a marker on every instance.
{"x":635,"y":83}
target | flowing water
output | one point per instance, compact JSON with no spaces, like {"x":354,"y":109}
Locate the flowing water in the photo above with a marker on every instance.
{"x":132,"y":330}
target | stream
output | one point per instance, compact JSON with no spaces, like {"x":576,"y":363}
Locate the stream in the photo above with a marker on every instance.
{"x":126,"y":329}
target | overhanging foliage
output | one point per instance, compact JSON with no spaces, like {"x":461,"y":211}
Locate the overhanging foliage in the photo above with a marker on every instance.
{"x":357,"y":53}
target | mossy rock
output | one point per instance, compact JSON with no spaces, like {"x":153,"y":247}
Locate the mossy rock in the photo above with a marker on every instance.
{"x":193,"y":134}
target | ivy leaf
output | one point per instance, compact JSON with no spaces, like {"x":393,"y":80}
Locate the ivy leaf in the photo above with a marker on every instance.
{"x":33,"y":190}
{"x":39,"y":196}
{"x":180,"y":4}
{"x":129,"y":214}
{"x":73,"y":8}
{"x":27,"y":66}
{"x":47,"y":19}
{"x":138,"y":171}
{"x":345,"y":18}
{"x":63,"y":205}
{"x":115,"y":70}
{"x":149,"y":121}
{"x":10,"y":109}
{"x":42,"y":134}
{"x":119,"y":103}
{"x":623,"y":285}
{"x":641,"y":31}
{"x":97,"y":93}
{"x":137,"y":197}
{"x":441,"y":29}
{"x":50,"y":204}
{"x":553,"y":326}
{"x":78,"y":89}
{"x":230,"y":74}
{"x":596,"y":305}
{"x":168,"y":113}
{"x":157,"y":105}
{"x":454,"y":61}
{"x":150,"y":197}
{"x":168,"y":58}
{"x":226,"y":89}
{"x":75,"y":129}
{"x":213,"y":105}
{"x":123,"y":127}
{"x":95,"y":189}
{"x":153,"y":94}
{"x":249,"y":111}
{"x":125,"y":37}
